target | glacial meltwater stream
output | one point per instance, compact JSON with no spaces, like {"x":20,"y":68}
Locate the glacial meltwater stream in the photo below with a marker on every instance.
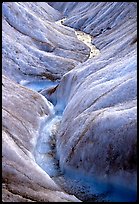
{"x":85,"y":38}
{"x":73,"y":182}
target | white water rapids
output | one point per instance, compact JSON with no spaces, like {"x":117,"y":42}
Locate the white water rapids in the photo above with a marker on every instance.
{"x":45,"y":149}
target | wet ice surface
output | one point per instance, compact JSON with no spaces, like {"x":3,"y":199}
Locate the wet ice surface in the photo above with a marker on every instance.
{"x":83,"y":187}
{"x":38,"y":85}
{"x":44,"y":152}
{"x":45,"y":148}
{"x":74,"y":182}
{"x":88,"y":188}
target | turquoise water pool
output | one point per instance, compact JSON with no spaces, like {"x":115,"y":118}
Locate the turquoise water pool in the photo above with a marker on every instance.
{"x":38,"y":85}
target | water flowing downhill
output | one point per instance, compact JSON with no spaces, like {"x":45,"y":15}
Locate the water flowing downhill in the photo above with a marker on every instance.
{"x":45,"y":153}
{"x":69,"y":102}
{"x":85,"y":38}
{"x":46,"y":157}
{"x":72,"y":182}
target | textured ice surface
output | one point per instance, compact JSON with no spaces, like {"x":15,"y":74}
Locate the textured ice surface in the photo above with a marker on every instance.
{"x":97,"y":134}
{"x":34,"y":46}
{"x":99,"y":188}
{"x":23,"y":180}
{"x":92,"y":129}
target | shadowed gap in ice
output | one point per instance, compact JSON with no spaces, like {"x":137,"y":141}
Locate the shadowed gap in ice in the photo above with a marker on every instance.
{"x":106,"y":190}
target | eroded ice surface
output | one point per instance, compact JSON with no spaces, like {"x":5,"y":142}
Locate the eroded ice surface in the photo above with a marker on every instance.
{"x":98,"y":134}
{"x":92,"y":128}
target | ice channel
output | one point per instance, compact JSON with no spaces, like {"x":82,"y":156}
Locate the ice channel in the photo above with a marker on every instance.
{"x":85,"y":38}
{"x":74,"y":182}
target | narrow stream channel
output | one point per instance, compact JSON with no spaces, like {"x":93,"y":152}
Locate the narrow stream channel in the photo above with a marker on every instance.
{"x":45,"y":154}
{"x":85,"y":38}
{"x":75,"y":183}
{"x":45,"y":151}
